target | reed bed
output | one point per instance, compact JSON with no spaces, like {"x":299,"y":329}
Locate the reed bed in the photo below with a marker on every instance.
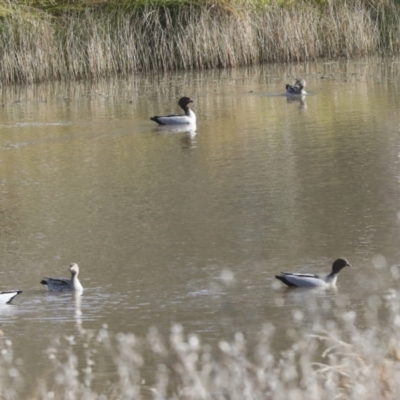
{"x":47,"y":41}
{"x":353,"y":357}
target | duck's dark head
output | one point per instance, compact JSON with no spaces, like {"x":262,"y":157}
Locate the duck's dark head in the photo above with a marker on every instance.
{"x":184,"y":101}
{"x":339,"y":264}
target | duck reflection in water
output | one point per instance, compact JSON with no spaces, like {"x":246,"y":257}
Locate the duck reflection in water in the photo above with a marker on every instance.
{"x":78,"y":313}
{"x":188,"y":139}
{"x":299,"y":100}
{"x":190,"y":130}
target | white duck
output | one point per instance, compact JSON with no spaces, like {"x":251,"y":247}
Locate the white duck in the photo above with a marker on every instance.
{"x":63,"y":284}
{"x":174,"y":119}
{"x":297,"y":88}
{"x":7,"y":296}
{"x":292,"y":279}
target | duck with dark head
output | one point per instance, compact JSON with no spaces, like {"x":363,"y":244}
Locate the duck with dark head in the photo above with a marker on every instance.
{"x":189,"y":117}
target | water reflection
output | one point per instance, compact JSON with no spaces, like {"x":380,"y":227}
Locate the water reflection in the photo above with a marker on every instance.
{"x":8,"y":310}
{"x":189,"y":130}
{"x":78,"y":311}
{"x":300,"y":100}
{"x":188,"y":142}
{"x":305,"y":294}
{"x":188,"y":134}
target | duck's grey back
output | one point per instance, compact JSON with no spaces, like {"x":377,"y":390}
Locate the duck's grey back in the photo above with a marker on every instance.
{"x":57,"y":284}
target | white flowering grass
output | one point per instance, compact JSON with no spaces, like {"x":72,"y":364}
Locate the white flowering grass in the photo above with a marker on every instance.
{"x":334,"y":360}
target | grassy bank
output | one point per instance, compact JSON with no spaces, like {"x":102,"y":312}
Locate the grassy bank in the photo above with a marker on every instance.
{"x":329,"y":360}
{"x":45,"y":40}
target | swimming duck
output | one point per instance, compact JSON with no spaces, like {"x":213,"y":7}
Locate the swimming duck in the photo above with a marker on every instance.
{"x":297,"y":88}
{"x":7,"y":296}
{"x":62,"y":284}
{"x":292,"y":279}
{"x":174,"y":119}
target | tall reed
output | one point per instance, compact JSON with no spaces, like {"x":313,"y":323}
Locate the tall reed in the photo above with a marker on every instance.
{"x":94,"y":42}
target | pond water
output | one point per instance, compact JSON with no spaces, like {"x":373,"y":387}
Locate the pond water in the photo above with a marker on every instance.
{"x":192,"y":228}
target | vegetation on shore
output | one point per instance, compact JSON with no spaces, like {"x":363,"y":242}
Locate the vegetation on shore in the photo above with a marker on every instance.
{"x":329,"y":360}
{"x":46,"y":40}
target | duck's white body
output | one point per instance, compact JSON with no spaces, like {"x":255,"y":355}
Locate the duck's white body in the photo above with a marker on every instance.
{"x":7,"y":296}
{"x":297,"y":88}
{"x":188,"y":118}
{"x":63,"y":284}
{"x":293,"y":279}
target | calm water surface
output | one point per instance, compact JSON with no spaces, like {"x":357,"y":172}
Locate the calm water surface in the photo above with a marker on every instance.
{"x":175,"y":227}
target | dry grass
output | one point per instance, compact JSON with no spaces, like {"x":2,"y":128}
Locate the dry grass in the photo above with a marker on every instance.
{"x":330,"y":360}
{"x":106,"y":40}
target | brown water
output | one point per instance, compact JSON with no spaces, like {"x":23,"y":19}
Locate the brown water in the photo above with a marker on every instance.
{"x":175,"y":227}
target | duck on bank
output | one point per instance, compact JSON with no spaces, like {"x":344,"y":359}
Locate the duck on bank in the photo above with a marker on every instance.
{"x":189,"y":117}
{"x":293,"y":279}
{"x":64,"y":284}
